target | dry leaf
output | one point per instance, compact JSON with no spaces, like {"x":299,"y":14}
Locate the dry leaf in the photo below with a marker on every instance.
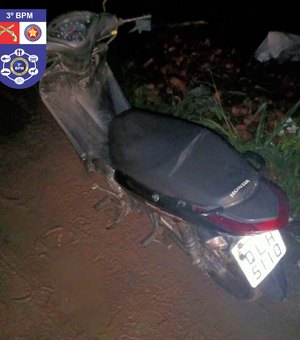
{"x":178,"y":84}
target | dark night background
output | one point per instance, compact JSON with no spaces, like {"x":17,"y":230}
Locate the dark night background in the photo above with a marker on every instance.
{"x":240,"y":24}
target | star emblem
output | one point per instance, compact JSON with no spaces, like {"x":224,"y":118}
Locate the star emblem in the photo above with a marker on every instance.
{"x":32,"y":32}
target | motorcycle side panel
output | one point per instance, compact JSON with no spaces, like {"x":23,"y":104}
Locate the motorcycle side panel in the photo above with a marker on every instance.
{"x":83,"y":107}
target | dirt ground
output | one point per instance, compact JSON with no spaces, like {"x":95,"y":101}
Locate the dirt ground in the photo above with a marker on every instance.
{"x":64,"y":275}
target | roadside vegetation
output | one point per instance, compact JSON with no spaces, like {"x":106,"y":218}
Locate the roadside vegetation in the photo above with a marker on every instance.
{"x":255,"y":106}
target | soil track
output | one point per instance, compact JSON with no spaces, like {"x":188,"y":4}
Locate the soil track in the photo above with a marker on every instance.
{"x":65,"y":276}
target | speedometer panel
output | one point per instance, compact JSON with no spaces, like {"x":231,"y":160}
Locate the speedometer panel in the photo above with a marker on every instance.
{"x":71,"y":27}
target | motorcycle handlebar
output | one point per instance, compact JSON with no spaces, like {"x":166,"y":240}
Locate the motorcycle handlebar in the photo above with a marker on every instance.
{"x":75,"y":36}
{"x":143,"y":17}
{"x":80,"y":30}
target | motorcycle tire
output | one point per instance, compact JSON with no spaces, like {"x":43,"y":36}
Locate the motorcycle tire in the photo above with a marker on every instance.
{"x":274,"y":287}
{"x":227,"y":275}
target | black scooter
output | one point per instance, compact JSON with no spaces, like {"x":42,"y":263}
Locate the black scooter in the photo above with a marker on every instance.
{"x":213,"y":202}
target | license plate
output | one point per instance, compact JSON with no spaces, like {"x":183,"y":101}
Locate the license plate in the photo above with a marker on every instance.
{"x":258,"y":255}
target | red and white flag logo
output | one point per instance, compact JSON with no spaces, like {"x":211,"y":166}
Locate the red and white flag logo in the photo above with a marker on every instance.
{"x":9,"y":32}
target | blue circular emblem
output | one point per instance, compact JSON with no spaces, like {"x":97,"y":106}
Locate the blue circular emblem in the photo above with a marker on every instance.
{"x":32,"y":32}
{"x":19,"y":66}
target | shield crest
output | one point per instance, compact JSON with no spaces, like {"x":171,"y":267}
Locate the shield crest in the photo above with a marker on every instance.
{"x":23,"y":40}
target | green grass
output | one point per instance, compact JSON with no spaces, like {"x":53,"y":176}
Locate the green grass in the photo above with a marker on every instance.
{"x":267,"y":134}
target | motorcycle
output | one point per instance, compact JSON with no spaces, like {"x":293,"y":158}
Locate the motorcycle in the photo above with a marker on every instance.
{"x":198,"y":191}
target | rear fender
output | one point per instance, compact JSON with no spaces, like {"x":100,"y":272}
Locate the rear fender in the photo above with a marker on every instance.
{"x":274,"y":286}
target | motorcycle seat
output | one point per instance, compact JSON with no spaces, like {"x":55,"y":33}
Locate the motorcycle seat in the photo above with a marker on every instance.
{"x":180,"y":159}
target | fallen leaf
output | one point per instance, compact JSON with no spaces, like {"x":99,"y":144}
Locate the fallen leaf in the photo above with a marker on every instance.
{"x":178,"y":84}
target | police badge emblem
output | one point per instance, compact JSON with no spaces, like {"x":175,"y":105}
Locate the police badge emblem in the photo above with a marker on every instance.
{"x":23,"y":40}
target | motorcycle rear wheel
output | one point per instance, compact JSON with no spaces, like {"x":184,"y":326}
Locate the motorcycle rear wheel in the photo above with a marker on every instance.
{"x":226,"y":273}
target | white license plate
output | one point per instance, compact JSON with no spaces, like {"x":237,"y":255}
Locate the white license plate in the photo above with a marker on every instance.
{"x":258,"y":255}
